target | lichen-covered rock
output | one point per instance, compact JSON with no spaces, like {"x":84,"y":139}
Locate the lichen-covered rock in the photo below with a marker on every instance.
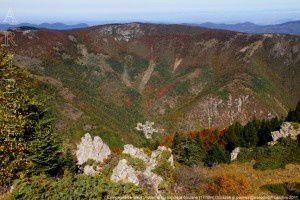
{"x":234,"y":154}
{"x":147,"y":129}
{"x":286,"y":130}
{"x":135,"y":153}
{"x":89,"y":170}
{"x":124,"y":172}
{"x":88,"y":149}
{"x":157,"y":154}
{"x":147,"y":178}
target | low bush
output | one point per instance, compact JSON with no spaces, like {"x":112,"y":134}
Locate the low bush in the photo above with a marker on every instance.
{"x":109,"y":164}
{"x":284,"y":189}
{"x":268,"y":163}
{"x":279,"y":189}
{"x":164,"y":169}
{"x":272,"y":157}
{"x":73,"y":187}
{"x":246,"y":154}
{"x":193,"y":181}
{"x":136,"y":163}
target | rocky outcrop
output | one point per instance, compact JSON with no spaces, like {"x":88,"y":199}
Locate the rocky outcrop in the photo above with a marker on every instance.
{"x":286,"y":130}
{"x":91,"y":149}
{"x":147,"y":129}
{"x":150,"y":162}
{"x":156,"y":155}
{"x":234,"y":154}
{"x":125,"y":173}
{"x":135,"y":153}
{"x":147,"y":178}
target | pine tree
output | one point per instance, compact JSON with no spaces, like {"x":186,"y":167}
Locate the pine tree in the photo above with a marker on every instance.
{"x":294,"y":115}
{"x":45,"y":149}
{"x":216,"y":155}
{"x":178,"y":148}
{"x":69,"y":161}
{"x":250,"y":134}
{"x":234,"y":136}
{"x":198,"y":150}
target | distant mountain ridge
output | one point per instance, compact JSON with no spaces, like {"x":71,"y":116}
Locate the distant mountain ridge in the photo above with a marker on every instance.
{"x":292,"y":27}
{"x":57,"y":26}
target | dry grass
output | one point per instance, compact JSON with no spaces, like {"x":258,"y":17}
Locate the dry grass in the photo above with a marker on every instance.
{"x":258,"y":178}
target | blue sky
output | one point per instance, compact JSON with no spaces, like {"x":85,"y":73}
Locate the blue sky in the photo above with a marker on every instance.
{"x":164,"y":11}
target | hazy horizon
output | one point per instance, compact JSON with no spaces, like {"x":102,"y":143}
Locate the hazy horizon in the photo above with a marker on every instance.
{"x":95,"y":12}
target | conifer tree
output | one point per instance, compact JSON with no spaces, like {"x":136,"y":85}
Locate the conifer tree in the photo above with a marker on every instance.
{"x":250,"y":134}
{"x":294,"y":115}
{"x":178,"y":148}
{"x":45,"y":147}
{"x":234,"y":136}
{"x":216,"y":155}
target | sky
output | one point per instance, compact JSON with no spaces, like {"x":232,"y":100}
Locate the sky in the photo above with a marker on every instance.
{"x":156,"y":11}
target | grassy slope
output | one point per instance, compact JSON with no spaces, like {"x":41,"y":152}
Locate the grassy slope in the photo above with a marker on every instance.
{"x":258,"y":178}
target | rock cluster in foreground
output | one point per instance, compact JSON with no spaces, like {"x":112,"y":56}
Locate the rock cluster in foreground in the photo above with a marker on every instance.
{"x":97,"y":151}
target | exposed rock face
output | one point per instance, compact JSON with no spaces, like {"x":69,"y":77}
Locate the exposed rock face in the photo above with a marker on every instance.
{"x":286,"y":130}
{"x":157,"y":154}
{"x":147,"y":129}
{"x":151,"y":162}
{"x":234,"y":154}
{"x":124,"y":172}
{"x":91,"y":149}
{"x":135,"y":152}
{"x":146,"y":179}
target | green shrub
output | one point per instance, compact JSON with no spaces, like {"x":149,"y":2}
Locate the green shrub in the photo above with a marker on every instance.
{"x":268,"y":163}
{"x":271,"y":157}
{"x":246,"y":155}
{"x":109,"y":164}
{"x":73,"y":187}
{"x":136,"y":163}
{"x":164,"y":169}
{"x":284,"y":189}
{"x":279,"y":189}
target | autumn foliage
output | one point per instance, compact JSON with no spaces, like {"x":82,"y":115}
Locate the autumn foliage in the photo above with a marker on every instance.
{"x":233,"y":184}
